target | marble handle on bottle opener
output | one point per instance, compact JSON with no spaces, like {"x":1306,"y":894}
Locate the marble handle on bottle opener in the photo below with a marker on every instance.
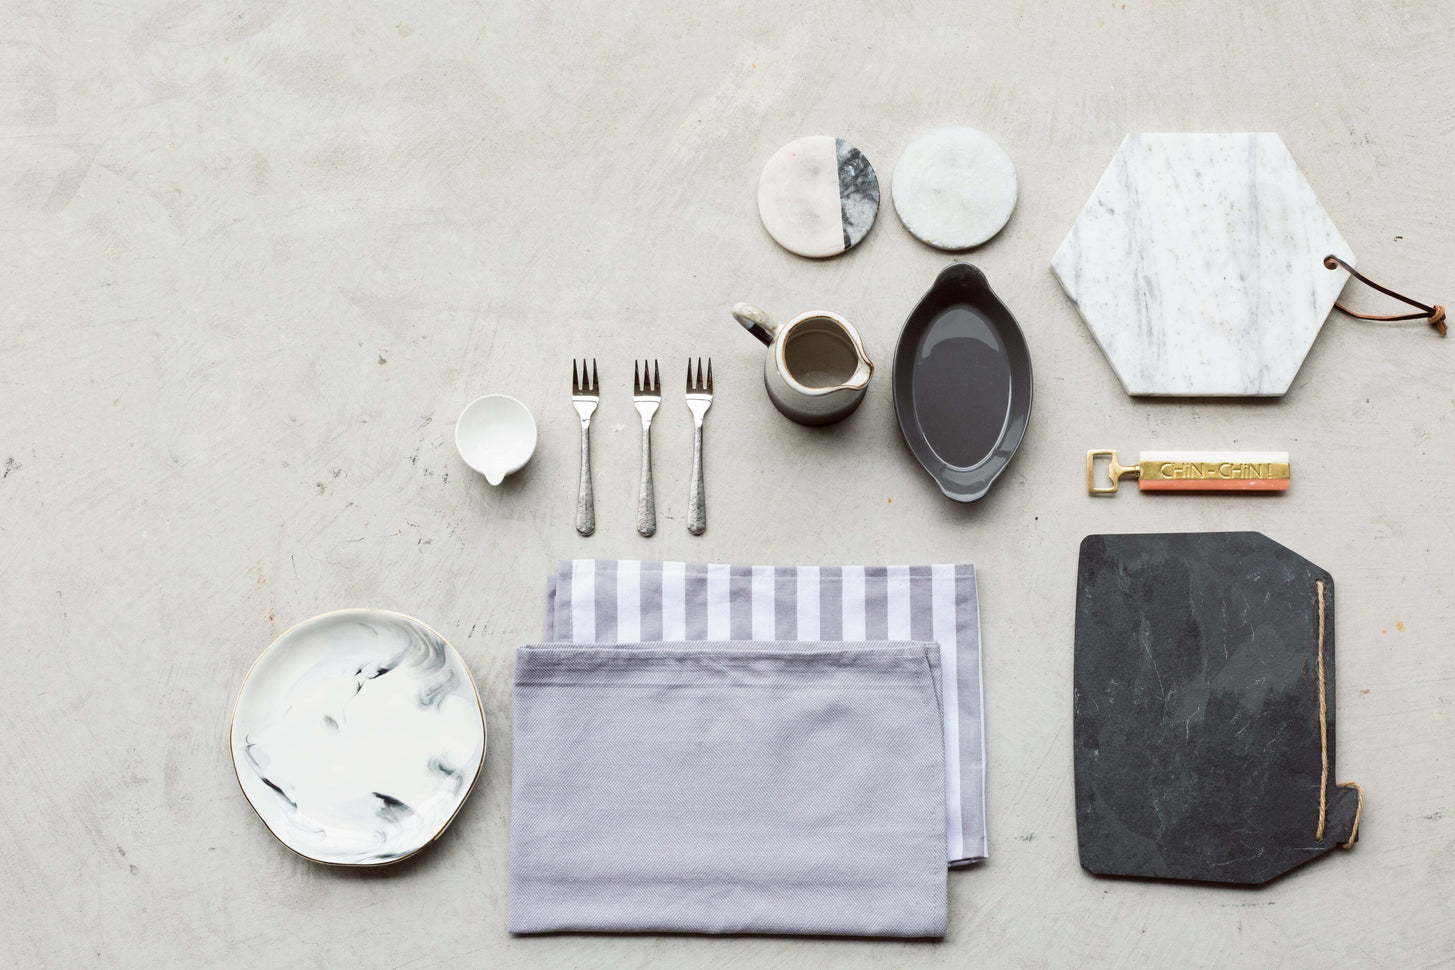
{"x":1194,"y":471}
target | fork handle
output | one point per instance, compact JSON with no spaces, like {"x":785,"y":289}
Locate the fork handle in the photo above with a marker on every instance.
{"x":585,"y":501}
{"x":697,"y":505}
{"x":647,"y":497}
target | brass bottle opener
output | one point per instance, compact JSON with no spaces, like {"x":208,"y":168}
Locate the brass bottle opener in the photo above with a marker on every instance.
{"x":1194,"y":471}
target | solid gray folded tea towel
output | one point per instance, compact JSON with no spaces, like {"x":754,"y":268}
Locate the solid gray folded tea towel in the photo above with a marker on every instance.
{"x":747,"y":787}
{"x":612,"y":601}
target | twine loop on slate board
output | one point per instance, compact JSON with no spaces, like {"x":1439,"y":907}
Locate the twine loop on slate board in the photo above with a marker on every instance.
{"x":1324,"y":741}
{"x":1434,"y":314}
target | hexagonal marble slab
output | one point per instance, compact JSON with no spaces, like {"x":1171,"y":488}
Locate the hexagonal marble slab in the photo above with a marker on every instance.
{"x":1197,"y":264}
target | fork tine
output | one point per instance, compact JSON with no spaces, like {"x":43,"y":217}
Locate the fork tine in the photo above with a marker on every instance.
{"x":709,"y":375}
{"x":636,"y":378}
{"x":656,"y":376}
{"x":689,"y":373}
{"x":575,"y":384}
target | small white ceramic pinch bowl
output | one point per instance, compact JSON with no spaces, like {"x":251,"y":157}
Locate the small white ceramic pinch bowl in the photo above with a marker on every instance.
{"x":496,"y":435}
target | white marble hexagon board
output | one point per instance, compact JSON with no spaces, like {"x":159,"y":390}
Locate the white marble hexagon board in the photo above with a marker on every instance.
{"x":1197,"y":264}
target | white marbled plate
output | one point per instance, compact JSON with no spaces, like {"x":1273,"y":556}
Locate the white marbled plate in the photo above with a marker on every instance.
{"x":818,"y":196}
{"x":954,"y":188}
{"x":1198,"y":264}
{"x":357,"y":737}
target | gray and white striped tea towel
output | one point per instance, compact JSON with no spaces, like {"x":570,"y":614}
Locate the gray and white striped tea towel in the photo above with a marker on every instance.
{"x":728,"y":788}
{"x":605,"y":601}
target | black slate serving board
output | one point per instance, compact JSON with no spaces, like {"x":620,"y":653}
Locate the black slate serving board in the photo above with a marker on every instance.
{"x":1198,"y":752}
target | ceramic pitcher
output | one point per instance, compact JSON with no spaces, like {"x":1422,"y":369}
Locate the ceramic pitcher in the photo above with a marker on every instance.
{"x":816,"y":370}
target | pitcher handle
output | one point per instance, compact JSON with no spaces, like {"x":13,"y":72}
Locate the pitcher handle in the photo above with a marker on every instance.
{"x":755,"y":321}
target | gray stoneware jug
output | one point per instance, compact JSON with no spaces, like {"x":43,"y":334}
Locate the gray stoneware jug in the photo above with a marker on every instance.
{"x":816,"y":370}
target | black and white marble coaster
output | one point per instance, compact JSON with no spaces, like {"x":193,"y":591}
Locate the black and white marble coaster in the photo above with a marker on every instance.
{"x":954,"y":188}
{"x":818,"y":196}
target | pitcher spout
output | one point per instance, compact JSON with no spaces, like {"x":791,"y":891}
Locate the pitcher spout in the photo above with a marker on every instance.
{"x":860,"y":378}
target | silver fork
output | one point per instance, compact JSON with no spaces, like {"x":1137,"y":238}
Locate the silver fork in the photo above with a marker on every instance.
{"x":647,"y":396}
{"x":585,"y":395}
{"x":699,"y":399}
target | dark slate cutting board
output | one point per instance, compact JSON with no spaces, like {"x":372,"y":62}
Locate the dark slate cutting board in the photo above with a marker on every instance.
{"x":1196,"y":701}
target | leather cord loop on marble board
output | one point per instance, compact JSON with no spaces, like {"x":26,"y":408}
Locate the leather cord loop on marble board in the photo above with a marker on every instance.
{"x":1434,"y":314}
{"x":1324,"y":742}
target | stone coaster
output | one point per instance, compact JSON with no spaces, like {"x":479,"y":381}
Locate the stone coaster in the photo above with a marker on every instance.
{"x":818,"y":196}
{"x":954,"y":188}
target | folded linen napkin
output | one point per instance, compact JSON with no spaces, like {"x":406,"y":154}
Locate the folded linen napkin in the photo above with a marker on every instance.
{"x":728,"y":788}
{"x":610,"y":601}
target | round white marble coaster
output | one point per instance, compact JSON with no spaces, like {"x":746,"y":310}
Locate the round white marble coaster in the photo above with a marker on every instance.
{"x":954,"y":188}
{"x":818,"y":196}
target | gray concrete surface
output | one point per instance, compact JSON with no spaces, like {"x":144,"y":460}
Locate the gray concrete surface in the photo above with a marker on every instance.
{"x":257,"y":257}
